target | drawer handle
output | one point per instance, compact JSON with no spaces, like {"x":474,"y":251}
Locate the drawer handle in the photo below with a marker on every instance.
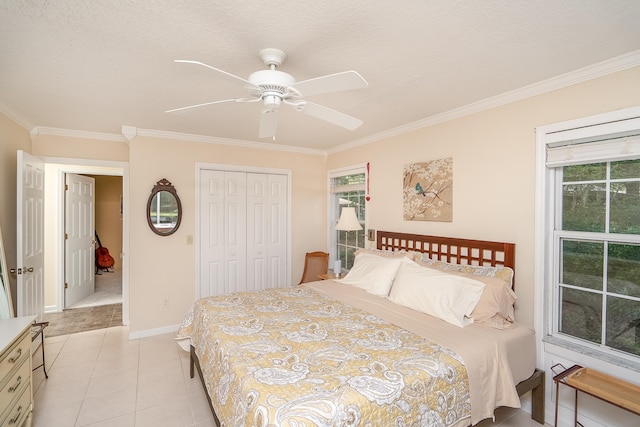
{"x":15,"y":357}
{"x":16,"y":385}
{"x":17,"y":417}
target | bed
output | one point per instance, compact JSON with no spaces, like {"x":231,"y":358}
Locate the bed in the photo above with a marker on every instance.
{"x":332,"y":353}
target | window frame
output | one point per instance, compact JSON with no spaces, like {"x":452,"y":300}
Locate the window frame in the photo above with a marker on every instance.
{"x":333,"y":211}
{"x":547,"y":247}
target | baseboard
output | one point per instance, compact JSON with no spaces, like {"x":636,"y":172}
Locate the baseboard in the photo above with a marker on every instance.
{"x":153,"y":332}
{"x":50,"y":309}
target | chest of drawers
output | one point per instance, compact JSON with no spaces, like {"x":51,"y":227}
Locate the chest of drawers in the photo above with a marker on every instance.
{"x":16,"y":395}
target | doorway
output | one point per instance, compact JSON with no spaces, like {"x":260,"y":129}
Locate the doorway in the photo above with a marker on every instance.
{"x":114,"y":177}
{"x":106,"y":230}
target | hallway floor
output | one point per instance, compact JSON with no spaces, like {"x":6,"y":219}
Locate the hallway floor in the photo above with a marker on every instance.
{"x":108,"y":290}
{"x":102,"y":309}
{"x":83,"y":319}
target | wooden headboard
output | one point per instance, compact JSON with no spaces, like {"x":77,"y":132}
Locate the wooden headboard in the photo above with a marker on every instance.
{"x":451,"y":249}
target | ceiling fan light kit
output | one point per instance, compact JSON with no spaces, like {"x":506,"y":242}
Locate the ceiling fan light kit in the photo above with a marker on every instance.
{"x":274,"y":87}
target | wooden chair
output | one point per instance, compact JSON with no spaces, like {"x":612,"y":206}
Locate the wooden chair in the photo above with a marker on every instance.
{"x":315,"y":263}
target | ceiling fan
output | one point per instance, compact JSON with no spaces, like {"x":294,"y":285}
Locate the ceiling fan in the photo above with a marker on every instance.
{"x":273,"y":87}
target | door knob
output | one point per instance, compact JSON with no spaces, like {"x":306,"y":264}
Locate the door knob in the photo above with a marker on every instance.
{"x":21,"y":270}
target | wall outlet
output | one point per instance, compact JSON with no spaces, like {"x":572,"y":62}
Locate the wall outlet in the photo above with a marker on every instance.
{"x":371,"y":233}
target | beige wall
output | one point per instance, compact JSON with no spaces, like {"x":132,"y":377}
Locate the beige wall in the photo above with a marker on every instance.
{"x":494,"y":183}
{"x":163,"y":268}
{"x":494,"y":168}
{"x":108,"y":217}
{"x":12,"y":138}
{"x":80,"y":148}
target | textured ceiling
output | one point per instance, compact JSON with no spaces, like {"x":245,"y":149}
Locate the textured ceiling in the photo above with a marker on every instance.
{"x":98,"y":65}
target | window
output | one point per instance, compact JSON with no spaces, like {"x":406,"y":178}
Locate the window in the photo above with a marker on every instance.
{"x":592,"y":265}
{"x":347,"y":188}
{"x":598,"y":242}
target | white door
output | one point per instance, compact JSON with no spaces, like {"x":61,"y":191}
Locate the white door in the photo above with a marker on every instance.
{"x":266,"y":230}
{"x":257,"y":231}
{"x":235,"y":232}
{"x":223,"y":230}
{"x":30,"y":235}
{"x":243,"y":232}
{"x":79,"y":248}
{"x":277,"y":227}
{"x":211,"y":214}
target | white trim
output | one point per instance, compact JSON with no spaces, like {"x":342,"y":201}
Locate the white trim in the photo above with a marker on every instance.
{"x":590,"y":122}
{"x":590,"y":72}
{"x":545,"y":298}
{"x":20,"y":120}
{"x":96,"y":167}
{"x":171,"y":329}
{"x":331,"y":214}
{"x":347,"y":170}
{"x":600,"y":69}
{"x":222,"y":141}
{"x":200,"y":166}
{"x":69,"y":133}
{"x":240,"y":168}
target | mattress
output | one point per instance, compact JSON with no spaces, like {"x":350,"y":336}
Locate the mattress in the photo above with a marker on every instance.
{"x":496,"y":359}
{"x":468,"y":371}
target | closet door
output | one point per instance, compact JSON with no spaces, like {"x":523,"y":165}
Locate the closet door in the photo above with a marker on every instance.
{"x":243,"y":235}
{"x":266,"y":230}
{"x":277,"y":231}
{"x":257,"y":227}
{"x":212,"y":249}
{"x":235,"y":251}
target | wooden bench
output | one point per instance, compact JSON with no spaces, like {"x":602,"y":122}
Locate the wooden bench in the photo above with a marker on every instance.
{"x":612,"y":390}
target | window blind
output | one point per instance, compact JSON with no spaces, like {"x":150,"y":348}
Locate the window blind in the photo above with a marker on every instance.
{"x":579,"y":152}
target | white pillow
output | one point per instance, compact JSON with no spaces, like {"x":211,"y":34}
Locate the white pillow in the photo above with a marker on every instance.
{"x":449,"y":297}
{"x":373,"y":273}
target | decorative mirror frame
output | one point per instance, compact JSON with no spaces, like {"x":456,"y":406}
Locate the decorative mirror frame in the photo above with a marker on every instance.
{"x":164,"y":185}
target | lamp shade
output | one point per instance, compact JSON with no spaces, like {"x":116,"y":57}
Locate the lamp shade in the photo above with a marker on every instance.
{"x":348,"y":220}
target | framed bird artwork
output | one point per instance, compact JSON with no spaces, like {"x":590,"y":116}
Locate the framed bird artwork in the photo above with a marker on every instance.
{"x":428,"y":191}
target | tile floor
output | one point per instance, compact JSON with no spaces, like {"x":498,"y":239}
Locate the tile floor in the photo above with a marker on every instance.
{"x":100,"y":378}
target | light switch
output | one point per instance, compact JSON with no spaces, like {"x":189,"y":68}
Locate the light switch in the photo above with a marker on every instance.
{"x":372,"y":234}
{"x":189,"y":239}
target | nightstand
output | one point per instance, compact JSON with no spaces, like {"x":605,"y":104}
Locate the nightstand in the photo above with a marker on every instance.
{"x":330,"y":275}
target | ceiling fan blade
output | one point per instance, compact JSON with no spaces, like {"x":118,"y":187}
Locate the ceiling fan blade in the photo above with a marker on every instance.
{"x":189,"y":107}
{"x":329,"y":115}
{"x":347,"y":80}
{"x":268,"y":123}
{"x":232,"y":76}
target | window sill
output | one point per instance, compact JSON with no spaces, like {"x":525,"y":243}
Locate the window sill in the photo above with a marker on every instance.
{"x":585,"y":356}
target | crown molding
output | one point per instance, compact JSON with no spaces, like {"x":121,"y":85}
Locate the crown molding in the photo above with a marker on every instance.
{"x":222,"y":141}
{"x":129,"y":133}
{"x":21,"y":121}
{"x":600,"y":69}
{"x":70,"y":133}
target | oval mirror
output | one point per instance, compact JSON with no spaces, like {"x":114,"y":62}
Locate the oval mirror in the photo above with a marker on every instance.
{"x":164,"y":210}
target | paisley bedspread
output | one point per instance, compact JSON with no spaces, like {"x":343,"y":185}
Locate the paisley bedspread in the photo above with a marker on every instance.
{"x":294,"y":357}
